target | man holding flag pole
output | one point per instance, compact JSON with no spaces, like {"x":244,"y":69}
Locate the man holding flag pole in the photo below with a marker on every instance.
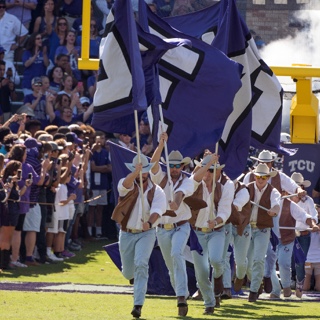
{"x":173,"y":229}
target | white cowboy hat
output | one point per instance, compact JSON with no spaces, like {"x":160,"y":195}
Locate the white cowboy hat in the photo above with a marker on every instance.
{"x":263,"y":170}
{"x":175,"y":157}
{"x":297,"y":177}
{"x":146,"y":166}
{"x":265,"y":156}
{"x":205,"y":160}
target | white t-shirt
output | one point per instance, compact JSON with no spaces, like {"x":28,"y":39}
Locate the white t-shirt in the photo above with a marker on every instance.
{"x":313,"y":255}
{"x":62,"y":195}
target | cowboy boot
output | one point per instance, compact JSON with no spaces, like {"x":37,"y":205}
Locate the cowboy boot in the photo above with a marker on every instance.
{"x":182,"y":306}
{"x":267,"y":284}
{"x":287,"y":292}
{"x":136,"y":311}
{"x":218,"y":285}
{"x":237,"y":285}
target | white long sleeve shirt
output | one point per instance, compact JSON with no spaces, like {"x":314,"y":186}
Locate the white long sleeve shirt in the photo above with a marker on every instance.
{"x":187,"y":188}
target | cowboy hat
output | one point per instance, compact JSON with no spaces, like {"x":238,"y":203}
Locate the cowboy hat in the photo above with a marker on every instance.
{"x":265,"y":156}
{"x":263,"y":170}
{"x":205,"y":160}
{"x":297,"y":177}
{"x":175,"y":157}
{"x":146,"y":166}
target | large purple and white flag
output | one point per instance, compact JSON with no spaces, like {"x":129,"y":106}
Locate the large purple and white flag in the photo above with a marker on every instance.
{"x":121,"y":84}
{"x":197,"y":87}
{"x":256,"y":117}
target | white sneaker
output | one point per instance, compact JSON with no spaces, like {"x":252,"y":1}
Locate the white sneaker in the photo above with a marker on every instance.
{"x":53,"y":257}
{"x":18,"y":264}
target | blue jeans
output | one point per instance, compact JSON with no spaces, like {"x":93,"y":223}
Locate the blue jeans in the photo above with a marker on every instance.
{"x":305,"y":244}
{"x":270,"y":262}
{"x":256,"y":256}
{"x":135,"y":251}
{"x":226,"y":256}
{"x":284,"y":253}
{"x":211,"y":244}
{"x":172,"y":244}
{"x":241,"y":247}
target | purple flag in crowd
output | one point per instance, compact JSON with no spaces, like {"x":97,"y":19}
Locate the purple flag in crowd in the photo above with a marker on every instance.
{"x":120,"y":86}
{"x":256,"y":117}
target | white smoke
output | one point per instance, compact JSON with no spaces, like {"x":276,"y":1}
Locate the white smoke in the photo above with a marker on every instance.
{"x":302,"y":48}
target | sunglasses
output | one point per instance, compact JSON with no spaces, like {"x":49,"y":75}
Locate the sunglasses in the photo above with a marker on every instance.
{"x":263,"y":177}
{"x":86,"y":105}
{"x":92,"y":25}
{"x":62,"y":24}
{"x":211,"y":170}
{"x":2,"y":7}
{"x":38,"y":38}
{"x":178,"y":166}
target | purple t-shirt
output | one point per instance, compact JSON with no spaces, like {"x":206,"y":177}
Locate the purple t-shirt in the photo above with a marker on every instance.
{"x":26,"y":169}
{"x":36,"y":69}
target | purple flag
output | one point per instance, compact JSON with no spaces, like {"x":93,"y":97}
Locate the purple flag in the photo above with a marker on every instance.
{"x":299,"y":255}
{"x":197,"y":87}
{"x":256,"y":117}
{"x":120,"y":86}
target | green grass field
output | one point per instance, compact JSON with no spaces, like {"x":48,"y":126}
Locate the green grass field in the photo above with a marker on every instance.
{"x":93,"y":266}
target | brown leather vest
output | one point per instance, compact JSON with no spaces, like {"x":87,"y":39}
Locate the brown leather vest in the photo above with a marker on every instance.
{"x":275,"y":181}
{"x":199,"y":193}
{"x":286,"y":220}
{"x":263,"y":219}
{"x":240,"y":218}
{"x":123,"y":209}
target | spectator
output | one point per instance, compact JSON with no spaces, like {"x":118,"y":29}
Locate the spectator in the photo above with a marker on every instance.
{"x":58,"y":37}
{"x":100,"y":166}
{"x":32,"y":221}
{"x":146,"y":144}
{"x":55,"y":77}
{"x":37,"y":102}
{"x":45,"y":23}
{"x":46,"y":86}
{"x":72,"y":9}
{"x":12,"y":32}
{"x":10,"y":71}
{"x":7,"y":91}
{"x":22,"y":10}
{"x":77,"y":24}
{"x":66,"y":118}
{"x":9,"y":218}
{"x":35,"y":60}
{"x":33,"y":126}
{"x":94,"y":40}
{"x":63,"y":61}
{"x":72,"y":51}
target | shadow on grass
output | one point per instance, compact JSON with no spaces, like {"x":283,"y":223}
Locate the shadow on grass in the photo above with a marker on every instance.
{"x":252,"y":311}
{"x":86,"y":255}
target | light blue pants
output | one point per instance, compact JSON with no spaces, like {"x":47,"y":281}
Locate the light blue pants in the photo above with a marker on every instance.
{"x":172,"y":244}
{"x":284,"y":253}
{"x":226,"y":256}
{"x":212,"y":247}
{"x":270,"y":262}
{"x":135,"y":251}
{"x":260,"y":240}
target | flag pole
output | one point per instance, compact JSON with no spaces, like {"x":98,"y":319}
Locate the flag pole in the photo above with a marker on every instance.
{"x":211,"y":215}
{"x":139,"y":161}
{"x":166,"y":156}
